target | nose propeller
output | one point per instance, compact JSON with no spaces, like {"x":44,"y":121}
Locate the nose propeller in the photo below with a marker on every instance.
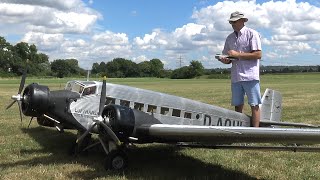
{"x":18,"y":98}
{"x":98,"y":120}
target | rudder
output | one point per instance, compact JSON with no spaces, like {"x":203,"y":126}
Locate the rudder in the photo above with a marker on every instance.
{"x":271,"y":106}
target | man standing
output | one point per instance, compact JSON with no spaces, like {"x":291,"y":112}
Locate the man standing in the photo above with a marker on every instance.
{"x":244,"y":44}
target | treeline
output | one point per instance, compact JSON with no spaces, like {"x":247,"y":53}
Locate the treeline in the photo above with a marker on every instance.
{"x":288,"y":69}
{"x":269,"y":69}
{"x":121,"y":68}
{"x":14,"y":59}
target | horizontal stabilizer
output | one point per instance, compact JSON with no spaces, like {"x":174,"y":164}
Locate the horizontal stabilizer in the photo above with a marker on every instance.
{"x":270,"y":123}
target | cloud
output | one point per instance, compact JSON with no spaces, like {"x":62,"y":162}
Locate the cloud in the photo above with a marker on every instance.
{"x":49,"y":16}
{"x":44,"y":42}
{"x":289,"y":26}
{"x":65,"y":29}
{"x":56,"y":4}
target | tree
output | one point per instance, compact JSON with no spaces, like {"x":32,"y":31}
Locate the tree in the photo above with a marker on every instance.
{"x":62,"y":68}
{"x":181,"y":73}
{"x":196,"y":68}
{"x":23,"y":51}
{"x":144,"y":69}
{"x":120,"y":67}
{"x":187,"y":72}
{"x":156,"y":67}
{"x":73,"y":66}
{"x":6,"y":55}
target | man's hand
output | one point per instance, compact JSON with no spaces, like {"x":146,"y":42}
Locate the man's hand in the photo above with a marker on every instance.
{"x":233,"y":53}
{"x":225,"y":60}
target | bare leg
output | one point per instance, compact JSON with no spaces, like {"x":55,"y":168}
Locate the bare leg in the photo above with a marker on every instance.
{"x":239,"y":108}
{"x":255,"y":116}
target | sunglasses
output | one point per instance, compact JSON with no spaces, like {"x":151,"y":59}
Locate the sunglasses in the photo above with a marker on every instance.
{"x":233,"y":22}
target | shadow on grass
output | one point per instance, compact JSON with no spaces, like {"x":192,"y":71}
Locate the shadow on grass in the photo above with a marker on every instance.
{"x":145,"y":162}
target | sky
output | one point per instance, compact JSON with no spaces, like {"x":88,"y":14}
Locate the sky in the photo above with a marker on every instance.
{"x":174,"y":31}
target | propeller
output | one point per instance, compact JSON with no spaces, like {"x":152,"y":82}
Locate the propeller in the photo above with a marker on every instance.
{"x":18,"y":98}
{"x":30,"y":121}
{"x":98,"y":120}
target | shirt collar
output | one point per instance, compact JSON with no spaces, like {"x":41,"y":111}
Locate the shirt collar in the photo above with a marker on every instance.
{"x":240,"y":32}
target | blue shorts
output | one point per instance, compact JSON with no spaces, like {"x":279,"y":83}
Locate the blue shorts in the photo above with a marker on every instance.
{"x":249,"y":88}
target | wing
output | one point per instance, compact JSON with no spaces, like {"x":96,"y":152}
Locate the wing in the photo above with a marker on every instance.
{"x":226,"y":134}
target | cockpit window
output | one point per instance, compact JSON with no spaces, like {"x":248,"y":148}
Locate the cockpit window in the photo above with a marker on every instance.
{"x":81,"y":88}
{"x":89,"y":91}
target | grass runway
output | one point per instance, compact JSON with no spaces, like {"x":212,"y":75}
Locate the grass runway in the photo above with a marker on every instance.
{"x":41,"y":153}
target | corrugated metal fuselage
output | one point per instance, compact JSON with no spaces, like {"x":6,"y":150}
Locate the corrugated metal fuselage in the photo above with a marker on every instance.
{"x":168,"y":109}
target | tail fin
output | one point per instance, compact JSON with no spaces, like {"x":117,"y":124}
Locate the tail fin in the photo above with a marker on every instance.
{"x":271,"y":106}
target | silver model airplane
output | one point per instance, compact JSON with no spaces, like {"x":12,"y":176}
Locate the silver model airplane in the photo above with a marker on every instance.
{"x":120,"y":115}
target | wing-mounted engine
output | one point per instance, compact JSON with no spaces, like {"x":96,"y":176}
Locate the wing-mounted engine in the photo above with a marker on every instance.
{"x":121,"y":119}
{"x":124,"y":121}
{"x":35,"y":100}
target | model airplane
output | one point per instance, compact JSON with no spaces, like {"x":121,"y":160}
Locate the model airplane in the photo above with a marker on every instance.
{"x":120,"y":115}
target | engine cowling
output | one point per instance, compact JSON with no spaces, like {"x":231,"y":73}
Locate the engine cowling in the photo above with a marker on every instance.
{"x":35,"y":100}
{"x":121,"y":119}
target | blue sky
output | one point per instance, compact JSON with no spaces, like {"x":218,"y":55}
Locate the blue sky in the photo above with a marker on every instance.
{"x":94,"y":31}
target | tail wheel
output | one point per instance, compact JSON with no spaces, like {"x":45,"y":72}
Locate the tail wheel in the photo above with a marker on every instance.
{"x":116,"y":160}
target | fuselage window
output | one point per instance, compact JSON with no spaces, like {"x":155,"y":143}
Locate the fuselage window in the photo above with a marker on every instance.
{"x":110,"y":100}
{"x":197,"y":116}
{"x":164,"y":111}
{"x":124,"y":103}
{"x":176,"y":112}
{"x":152,"y":108}
{"x":138,"y":106}
{"x":187,"y":115}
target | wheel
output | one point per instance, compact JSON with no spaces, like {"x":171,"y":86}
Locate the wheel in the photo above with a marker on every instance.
{"x":116,"y":160}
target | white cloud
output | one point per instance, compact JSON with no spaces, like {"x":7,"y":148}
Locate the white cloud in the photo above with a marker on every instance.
{"x":140,"y":59}
{"x":109,"y":37}
{"x":44,"y":42}
{"x":45,"y":17}
{"x":65,"y":29}
{"x":56,"y":4}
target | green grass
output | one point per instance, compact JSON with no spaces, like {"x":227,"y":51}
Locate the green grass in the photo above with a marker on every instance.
{"x":41,"y":153}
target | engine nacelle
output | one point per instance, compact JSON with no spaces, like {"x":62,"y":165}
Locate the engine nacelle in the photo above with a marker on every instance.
{"x":121,"y":119}
{"x":35,"y":100}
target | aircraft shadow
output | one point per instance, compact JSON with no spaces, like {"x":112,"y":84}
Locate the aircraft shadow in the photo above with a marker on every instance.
{"x":145,"y":162}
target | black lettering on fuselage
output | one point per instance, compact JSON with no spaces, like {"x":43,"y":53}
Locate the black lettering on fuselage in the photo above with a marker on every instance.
{"x":227,"y":122}
{"x":219,"y":122}
{"x":208,"y":121}
{"x":207,"y":118}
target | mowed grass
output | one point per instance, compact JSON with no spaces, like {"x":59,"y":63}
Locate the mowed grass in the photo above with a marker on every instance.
{"x":41,"y":153}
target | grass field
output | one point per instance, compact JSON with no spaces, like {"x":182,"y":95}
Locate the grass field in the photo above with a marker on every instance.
{"x":41,"y":153}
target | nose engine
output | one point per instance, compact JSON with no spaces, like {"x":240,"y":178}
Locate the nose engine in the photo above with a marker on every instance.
{"x":35,"y":100}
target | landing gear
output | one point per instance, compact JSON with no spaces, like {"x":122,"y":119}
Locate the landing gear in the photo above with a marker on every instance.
{"x":116,"y":160}
{"x":82,"y":147}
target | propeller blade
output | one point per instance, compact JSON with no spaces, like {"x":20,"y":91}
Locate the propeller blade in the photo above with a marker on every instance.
{"x":22,"y":82}
{"x":86,"y":133}
{"x":19,"y":104}
{"x":111,"y":133}
{"x":30,"y":122}
{"x":9,"y":106}
{"x":103,"y":96}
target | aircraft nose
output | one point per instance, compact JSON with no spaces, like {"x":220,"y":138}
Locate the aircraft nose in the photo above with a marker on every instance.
{"x":35,"y":100}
